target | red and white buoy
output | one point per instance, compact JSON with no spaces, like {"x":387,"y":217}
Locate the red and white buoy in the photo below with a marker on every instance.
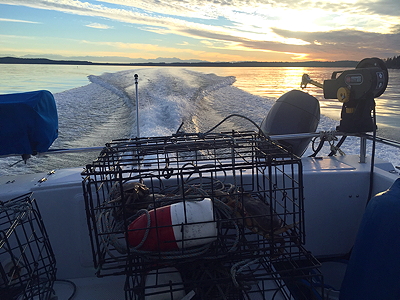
{"x":176,"y":226}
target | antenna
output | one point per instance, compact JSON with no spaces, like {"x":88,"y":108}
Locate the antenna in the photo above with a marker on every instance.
{"x":137,"y":106}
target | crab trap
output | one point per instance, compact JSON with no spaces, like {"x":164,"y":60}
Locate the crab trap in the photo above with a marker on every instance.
{"x":287,"y":278}
{"x":27,"y":262}
{"x":229,"y":202}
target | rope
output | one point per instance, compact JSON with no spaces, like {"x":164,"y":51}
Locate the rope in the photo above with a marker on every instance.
{"x":240,"y":266}
{"x":111,"y":232}
{"x":330,"y":137}
{"x":194,"y":190}
{"x":17,"y":207}
{"x":239,"y":116}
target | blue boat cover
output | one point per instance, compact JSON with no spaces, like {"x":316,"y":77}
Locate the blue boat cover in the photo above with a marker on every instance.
{"x":373,"y":272}
{"x":28,"y":122}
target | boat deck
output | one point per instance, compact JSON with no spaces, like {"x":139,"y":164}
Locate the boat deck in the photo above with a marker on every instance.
{"x":335,"y":192}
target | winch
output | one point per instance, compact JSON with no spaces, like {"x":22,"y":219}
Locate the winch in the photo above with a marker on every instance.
{"x":357,"y":90}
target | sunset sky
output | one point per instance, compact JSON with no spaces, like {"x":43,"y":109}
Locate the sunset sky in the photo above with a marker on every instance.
{"x":208,"y":30}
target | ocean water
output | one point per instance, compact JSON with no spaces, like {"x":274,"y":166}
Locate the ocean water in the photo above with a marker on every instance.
{"x":96,"y":104}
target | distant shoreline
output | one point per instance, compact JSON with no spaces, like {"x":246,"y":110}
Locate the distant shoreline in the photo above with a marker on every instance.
{"x":345,"y":63}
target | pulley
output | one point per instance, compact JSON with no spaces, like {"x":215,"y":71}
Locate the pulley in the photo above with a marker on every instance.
{"x":343,"y":94}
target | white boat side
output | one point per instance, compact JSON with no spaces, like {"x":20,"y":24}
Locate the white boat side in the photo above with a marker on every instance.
{"x":335,"y":192}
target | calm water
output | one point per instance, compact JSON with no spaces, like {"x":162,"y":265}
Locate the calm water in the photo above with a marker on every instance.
{"x":273,"y":82}
{"x":266,"y":82}
{"x":93,"y":112}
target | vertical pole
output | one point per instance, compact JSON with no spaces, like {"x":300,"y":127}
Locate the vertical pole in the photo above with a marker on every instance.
{"x":137,"y":106}
{"x":363,"y":149}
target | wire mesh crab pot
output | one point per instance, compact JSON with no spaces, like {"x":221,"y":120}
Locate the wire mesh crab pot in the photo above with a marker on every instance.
{"x":191,"y":200}
{"x":27,"y":262}
{"x":289,"y":277}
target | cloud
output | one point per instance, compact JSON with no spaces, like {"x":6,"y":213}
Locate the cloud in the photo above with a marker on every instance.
{"x":98,"y":26}
{"x":382,"y":7}
{"x":252,"y":16}
{"x":347,"y":38}
{"x":8,"y":37}
{"x":18,"y":21}
{"x":396,"y":28}
{"x":140,"y":46}
{"x":354,"y":43}
{"x":188,"y":9}
{"x":288,"y":26}
{"x":87,"y":9}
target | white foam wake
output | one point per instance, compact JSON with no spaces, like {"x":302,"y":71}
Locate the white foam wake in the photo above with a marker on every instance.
{"x":105,"y":109}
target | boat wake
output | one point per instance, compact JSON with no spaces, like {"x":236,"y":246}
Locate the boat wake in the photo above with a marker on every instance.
{"x":105,"y":110}
{"x":167,"y":97}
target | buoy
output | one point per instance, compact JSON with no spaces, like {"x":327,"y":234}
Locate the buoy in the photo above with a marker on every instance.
{"x":164,"y":284}
{"x":176,"y":226}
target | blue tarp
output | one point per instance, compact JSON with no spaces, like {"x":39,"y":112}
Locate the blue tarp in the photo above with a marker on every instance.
{"x":28,"y":122}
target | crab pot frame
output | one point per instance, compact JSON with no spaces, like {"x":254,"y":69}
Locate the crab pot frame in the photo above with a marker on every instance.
{"x":194,"y":200}
{"x":27,"y":261}
{"x":284,"y":278}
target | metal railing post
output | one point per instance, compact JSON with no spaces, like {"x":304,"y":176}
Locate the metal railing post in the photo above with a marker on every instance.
{"x":137,"y":106}
{"x":363,"y":149}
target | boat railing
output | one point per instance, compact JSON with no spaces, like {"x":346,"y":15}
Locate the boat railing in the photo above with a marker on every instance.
{"x":327,"y":135}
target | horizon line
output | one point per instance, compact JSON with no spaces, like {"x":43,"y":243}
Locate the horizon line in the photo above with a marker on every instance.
{"x":43,"y":60}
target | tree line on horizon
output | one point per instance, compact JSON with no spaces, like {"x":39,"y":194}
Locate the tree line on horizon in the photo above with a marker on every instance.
{"x":393,"y":63}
